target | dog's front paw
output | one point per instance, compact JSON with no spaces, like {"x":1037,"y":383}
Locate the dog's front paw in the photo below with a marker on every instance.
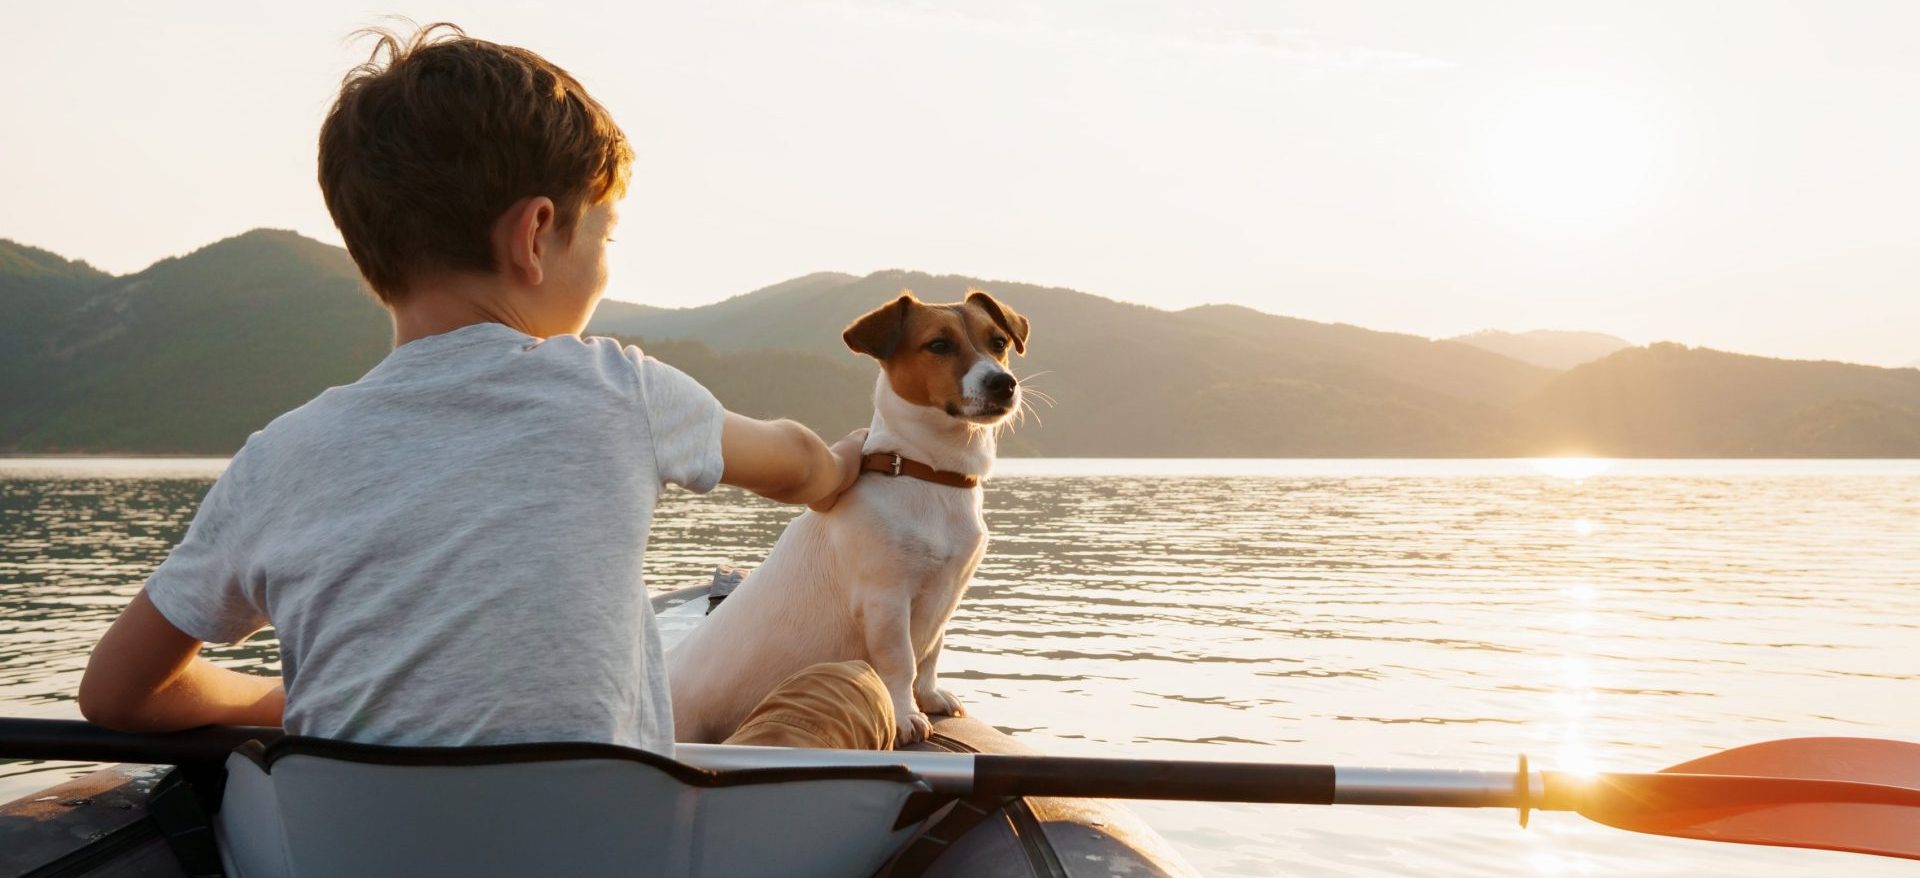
{"x":940,"y":701}
{"x":910,"y":727}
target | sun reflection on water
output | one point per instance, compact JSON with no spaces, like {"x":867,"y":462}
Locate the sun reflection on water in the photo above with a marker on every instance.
{"x":1571,"y":468}
{"x":1552,"y":862}
{"x":1574,"y":696}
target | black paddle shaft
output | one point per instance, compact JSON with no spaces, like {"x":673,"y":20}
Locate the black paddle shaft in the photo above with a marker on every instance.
{"x":1063,"y":776}
{"x":86,"y":742}
{"x":1077,"y":777}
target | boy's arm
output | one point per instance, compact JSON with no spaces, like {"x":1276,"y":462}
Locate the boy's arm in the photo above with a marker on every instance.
{"x":784,"y":461}
{"x":145,"y":675}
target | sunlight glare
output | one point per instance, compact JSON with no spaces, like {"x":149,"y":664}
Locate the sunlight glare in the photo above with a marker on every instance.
{"x":1575,"y":698}
{"x":1572,"y":468}
{"x":1554,"y":862}
{"x":1547,"y":863}
{"x":1575,"y":756}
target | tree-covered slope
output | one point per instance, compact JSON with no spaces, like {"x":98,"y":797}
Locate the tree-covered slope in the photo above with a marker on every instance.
{"x":193,"y":353}
{"x":1669,"y":400}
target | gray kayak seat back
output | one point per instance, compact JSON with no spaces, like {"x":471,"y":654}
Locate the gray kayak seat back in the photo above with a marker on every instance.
{"x":305,"y":807}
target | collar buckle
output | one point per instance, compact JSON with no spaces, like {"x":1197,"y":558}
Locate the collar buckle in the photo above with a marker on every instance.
{"x":896,"y":463}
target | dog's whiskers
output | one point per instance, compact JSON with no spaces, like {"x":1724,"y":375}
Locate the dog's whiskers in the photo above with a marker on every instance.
{"x":1040,"y":395}
{"x":1027,"y":389}
{"x":1020,"y":417}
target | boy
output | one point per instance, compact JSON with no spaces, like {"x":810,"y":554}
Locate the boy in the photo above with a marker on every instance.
{"x":450,"y":548}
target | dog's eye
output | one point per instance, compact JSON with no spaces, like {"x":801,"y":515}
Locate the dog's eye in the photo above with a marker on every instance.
{"x":999,"y":344}
{"x":940,"y":346}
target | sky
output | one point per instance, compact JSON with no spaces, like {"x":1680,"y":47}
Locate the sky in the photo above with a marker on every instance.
{"x":1734,"y":175}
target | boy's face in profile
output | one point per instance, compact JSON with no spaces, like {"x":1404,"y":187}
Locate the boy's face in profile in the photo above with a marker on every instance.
{"x":579,"y":272}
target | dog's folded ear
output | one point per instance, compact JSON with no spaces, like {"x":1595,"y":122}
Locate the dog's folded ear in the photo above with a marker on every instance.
{"x":1015,"y":325}
{"x":877,"y":333}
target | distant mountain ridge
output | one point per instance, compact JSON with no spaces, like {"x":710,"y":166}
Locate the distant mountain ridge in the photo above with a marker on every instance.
{"x":192,"y":353}
{"x":1139,"y":379}
{"x":195,"y":352}
{"x":1552,"y":349}
{"x":1669,"y":400}
{"x":20,"y":263}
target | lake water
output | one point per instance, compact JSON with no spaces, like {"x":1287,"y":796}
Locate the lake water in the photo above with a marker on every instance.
{"x":1412,"y":613}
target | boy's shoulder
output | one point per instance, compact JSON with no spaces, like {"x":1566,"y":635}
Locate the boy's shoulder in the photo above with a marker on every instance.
{"x":457,"y":376}
{"x":459,"y":370}
{"x":507,"y":403}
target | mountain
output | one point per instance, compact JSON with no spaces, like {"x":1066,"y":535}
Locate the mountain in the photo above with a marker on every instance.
{"x":1669,"y":400}
{"x":195,"y":352}
{"x":1547,"y":348}
{"x":37,"y":290}
{"x":743,"y":322}
{"x":22,"y":266}
{"x":1137,"y":381}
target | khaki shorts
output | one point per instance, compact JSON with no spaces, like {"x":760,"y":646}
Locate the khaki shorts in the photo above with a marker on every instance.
{"x":832,"y":705}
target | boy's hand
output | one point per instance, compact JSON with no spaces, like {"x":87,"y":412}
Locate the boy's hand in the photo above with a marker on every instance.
{"x":846,"y":457}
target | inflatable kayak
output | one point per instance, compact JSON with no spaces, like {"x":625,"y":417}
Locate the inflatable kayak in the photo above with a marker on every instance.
{"x":248,"y":802}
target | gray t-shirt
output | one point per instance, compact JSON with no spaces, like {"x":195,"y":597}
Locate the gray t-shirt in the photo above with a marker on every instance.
{"x":449,"y":548}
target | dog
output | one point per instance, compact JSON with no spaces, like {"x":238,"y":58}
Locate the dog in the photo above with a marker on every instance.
{"x":878,"y":576}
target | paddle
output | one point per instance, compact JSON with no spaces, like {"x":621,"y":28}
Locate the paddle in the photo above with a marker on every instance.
{"x":1844,"y":794}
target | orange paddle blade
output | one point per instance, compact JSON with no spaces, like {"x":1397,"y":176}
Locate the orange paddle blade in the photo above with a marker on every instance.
{"x":1844,"y":794}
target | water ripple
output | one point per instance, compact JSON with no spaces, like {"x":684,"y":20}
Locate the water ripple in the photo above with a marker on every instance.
{"x":1445,"y":614}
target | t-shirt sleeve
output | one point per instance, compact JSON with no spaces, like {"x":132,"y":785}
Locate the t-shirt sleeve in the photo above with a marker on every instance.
{"x":683,"y":421}
{"x":200,"y":587}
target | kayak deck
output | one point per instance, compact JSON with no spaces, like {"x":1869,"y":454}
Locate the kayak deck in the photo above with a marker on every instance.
{"x":92,"y":825}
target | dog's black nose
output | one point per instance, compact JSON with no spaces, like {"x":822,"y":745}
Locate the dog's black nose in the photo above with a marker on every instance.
{"x":1001,"y":385}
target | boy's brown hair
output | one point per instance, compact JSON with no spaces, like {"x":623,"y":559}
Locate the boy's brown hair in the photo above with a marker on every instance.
{"x":437,"y":135}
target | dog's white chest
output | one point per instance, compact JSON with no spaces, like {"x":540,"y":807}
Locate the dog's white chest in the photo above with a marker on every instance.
{"x":929,"y":527}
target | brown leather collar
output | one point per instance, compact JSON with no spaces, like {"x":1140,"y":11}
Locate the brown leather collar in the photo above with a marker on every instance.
{"x":895,"y":465}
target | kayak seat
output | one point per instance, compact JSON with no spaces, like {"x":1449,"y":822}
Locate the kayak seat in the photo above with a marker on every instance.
{"x":311,"y":807}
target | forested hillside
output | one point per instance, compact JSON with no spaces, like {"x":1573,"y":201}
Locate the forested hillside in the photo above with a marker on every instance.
{"x":193,"y":353}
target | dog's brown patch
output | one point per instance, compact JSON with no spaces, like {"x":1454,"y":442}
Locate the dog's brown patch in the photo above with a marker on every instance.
{"x":927,"y":349}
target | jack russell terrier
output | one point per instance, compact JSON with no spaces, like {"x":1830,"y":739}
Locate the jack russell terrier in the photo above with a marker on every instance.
{"x":878,"y":576}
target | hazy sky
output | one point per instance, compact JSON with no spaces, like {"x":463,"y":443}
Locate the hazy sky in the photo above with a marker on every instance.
{"x":1741,"y":175}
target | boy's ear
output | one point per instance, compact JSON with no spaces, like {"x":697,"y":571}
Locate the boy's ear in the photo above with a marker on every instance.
{"x":520,"y":238}
{"x":877,"y":333}
{"x":1009,"y":320}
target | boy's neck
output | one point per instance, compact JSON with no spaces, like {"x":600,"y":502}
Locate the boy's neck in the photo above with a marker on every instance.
{"x":452,"y":302}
